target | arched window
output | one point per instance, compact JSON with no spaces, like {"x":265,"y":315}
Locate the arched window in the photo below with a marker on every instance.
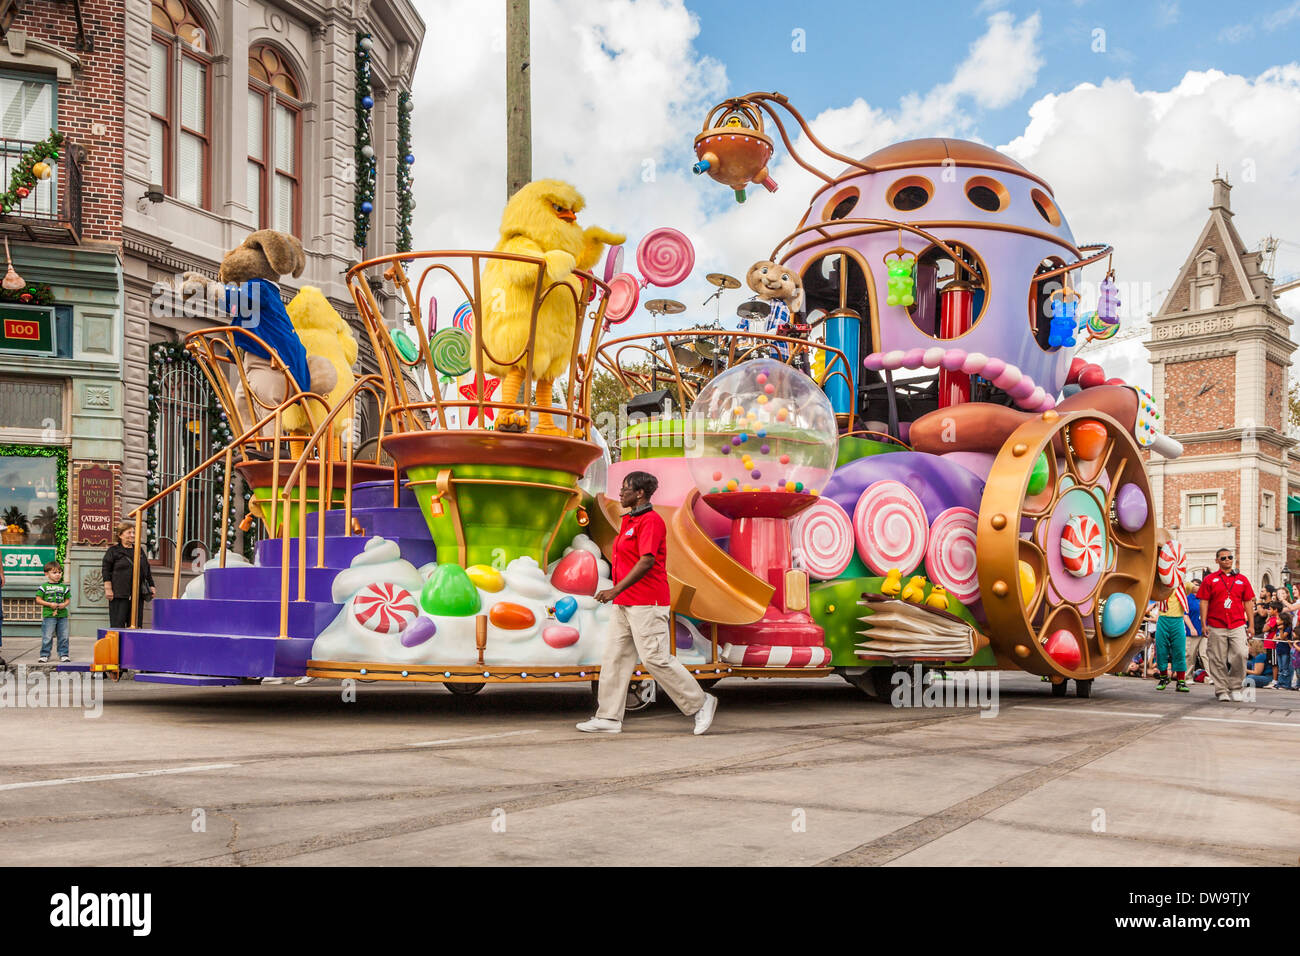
{"x":180,"y":99}
{"x":274,"y":140}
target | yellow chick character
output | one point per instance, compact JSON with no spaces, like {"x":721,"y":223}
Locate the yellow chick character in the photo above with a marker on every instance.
{"x":892,"y":584}
{"x":915,"y":590}
{"x":540,"y":220}
{"x":323,"y":333}
{"x":938,"y":598}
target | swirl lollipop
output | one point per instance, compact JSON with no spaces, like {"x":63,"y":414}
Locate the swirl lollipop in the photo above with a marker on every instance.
{"x":449,"y":350}
{"x":891,"y":528}
{"x":613,"y":263}
{"x":950,"y":555}
{"x":823,"y":534}
{"x":463,"y":318}
{"x":665,"y":257}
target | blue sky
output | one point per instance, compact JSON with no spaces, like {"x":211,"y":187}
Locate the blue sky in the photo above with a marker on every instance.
{"x":883,"y":51}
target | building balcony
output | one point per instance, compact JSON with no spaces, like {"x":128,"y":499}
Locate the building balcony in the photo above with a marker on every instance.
{"x":51,"y":212}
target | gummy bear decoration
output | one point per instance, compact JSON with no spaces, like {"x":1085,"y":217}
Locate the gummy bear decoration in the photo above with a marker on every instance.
{"x":900,"y":282}
{"x":1108,"y":302}
{"x":1062,"y":328}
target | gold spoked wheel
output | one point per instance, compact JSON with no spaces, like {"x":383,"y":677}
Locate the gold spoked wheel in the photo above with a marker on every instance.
{"x":1067,"y":545}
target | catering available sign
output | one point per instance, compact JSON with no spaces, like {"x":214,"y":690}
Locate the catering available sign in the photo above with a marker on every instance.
{"x":27,"y":328}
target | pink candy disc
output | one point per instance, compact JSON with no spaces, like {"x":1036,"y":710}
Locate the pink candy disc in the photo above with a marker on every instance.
{"x":665,"y":257}
{"x":823,"y":535}
{"x":950,"y":555}
{"x":890,"y":527}
{"x":624,"y":294}
{"x":613,"y":262}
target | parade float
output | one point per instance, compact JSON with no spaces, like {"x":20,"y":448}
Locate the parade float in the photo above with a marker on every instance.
{"x":910,"y":467}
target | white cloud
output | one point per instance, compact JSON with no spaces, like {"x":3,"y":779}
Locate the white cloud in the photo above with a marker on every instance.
{"x":1280,"y":18}
{"x":1236,"y":33}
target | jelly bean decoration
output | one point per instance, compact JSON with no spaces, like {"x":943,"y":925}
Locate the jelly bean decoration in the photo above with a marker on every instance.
{"x":1038,"y":477}
{"x":485,"y":577}
{"x":1028,"y":582}
{"x":565,"y":608}
{"x":449,"y":592}
{"x":1063,"y":647}
{"x":1088,"y":439}
{"x":577,"y":573}
{"x":1117,"y":615}
{"x":511,"y":617}
{"x":1131,"y":509}
{"x":558,"y":636}
{"x":418,"y":631}
{"x":900,"y":285}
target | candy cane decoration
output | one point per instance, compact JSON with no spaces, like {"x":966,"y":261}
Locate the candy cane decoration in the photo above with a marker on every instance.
{"x":1171,"y":564}
{"x":890,"y":526}
{"x":1081,"y":546}
{"x":950,"y":555}
{"x":384,"y":608}
{"x":823,"y":536}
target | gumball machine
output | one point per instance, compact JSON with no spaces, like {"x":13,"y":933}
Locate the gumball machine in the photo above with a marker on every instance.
{"x":761,"y":444}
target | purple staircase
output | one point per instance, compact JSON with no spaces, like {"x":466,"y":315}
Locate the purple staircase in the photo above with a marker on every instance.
{"x":233,"y":631}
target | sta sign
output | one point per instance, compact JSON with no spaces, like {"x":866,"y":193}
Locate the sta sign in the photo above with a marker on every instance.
{"x":26,"y":562}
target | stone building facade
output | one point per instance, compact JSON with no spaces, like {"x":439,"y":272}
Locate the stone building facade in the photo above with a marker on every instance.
{"x":1220,"y":350}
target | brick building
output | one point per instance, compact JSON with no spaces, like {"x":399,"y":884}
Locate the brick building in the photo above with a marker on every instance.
{"x":1221,"y":351}
{"x":61,"y":431}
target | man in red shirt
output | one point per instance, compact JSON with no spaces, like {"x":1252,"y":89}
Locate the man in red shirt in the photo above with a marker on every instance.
{"x":641,"y":621}
{"x":1227,"y":603}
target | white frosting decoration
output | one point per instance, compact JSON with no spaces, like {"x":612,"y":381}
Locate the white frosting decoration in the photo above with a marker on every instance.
{"x":453,"y":645}
{"x":381,"y":561}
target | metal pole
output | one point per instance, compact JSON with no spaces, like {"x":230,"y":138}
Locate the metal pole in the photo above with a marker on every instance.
{"x":519,"y":121}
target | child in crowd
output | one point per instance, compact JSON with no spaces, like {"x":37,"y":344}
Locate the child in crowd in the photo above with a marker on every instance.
{"x":54,"y":597}
{"x":1172,"y":627}
{"x":1256,"y":664}
{"x":1285,"y":653}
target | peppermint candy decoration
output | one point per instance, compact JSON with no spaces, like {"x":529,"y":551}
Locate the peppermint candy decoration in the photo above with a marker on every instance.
{"x":823,"y":535}
{"x":950,"y":555}
{"x":1171,"y":564}
{"x":1082,"y":545}
{"x":384,"y":608}
{"x":890,"y":526}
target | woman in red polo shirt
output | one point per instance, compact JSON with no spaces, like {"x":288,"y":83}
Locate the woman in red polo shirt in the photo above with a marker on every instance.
{"x":1227,"y":603}
{"x":641,"y":619}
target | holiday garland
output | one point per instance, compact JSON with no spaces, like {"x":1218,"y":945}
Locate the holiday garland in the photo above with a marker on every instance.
{"x":162,"y":356}
{"x":61,"y":487}
{"x":365,"y":150}
{"x":31,"y":166}
{"x":36,"y":292}
{"x":405,"y":199}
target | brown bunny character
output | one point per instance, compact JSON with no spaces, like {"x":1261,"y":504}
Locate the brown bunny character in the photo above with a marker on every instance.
{"x":251,"y":274}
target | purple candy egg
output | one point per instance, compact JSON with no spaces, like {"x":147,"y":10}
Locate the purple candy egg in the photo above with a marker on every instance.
{"x":1131,"y":507}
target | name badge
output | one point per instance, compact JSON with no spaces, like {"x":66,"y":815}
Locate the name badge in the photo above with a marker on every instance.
{"x":1227,"y":603}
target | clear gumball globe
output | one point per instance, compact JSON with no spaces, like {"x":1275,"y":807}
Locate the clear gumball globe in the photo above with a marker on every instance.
{"x":761,"y":426}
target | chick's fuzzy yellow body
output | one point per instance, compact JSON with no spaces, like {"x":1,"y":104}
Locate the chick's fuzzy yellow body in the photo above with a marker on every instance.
{"x":540,"y":220}
{"x":326,"y":335}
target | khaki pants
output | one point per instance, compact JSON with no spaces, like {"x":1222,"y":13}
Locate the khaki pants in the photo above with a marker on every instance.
{"x":642,"y":631}
{"x":1225,"y":657}
{"x":1195,"y":647}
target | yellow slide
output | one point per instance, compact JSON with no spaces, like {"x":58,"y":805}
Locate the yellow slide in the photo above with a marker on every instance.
{"x":705,"y":581}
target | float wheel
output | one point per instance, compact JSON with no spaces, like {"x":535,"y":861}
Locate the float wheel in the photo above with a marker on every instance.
{"x":1060,"y":687}
{"x":1055,"y":546}
{"x":875,"y":682}
{"x":463,"y":690}
{"x":1083,"y":688}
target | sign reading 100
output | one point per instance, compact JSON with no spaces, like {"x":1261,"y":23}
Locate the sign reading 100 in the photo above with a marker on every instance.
{"x":27,"y":329}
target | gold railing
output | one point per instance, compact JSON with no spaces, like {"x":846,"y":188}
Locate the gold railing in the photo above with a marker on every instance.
{"x":624,"y":359}
{"x":265,"y":441}
{"x":418,"y":414}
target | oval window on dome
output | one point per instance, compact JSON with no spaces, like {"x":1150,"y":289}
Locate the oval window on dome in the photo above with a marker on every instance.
{"x":843,"y":204}
{"x":1046,"y":208}
{"x":910,"y":192}
{"x":987,"y":194}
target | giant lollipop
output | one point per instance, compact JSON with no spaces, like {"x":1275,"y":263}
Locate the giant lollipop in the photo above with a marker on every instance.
{"x":665,"y":257}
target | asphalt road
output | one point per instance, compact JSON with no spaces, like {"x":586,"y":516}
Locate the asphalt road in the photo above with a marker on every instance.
{"x":794,"y":772}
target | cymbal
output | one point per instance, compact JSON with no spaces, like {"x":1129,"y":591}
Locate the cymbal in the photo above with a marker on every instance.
{"x":706,"y":347}
{"x":686,"y":356}
{"x":753,"y":309}
{"x":723,"y":281}
{"x":664,"y":306}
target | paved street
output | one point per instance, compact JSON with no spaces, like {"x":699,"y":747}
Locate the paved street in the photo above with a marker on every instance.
{"x":794,"y":772}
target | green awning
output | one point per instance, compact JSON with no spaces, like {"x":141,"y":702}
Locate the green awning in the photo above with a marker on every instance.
{"x":1292,"y":504}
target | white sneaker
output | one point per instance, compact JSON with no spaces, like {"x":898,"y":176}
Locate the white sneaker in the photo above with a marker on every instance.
{"x":1270,"y":685}
{"x":1236,"y":695}
{"x":601,"y":725}
{"x":42,"y":660}
{"x":303,"y":680}
{"x":272,"y":680}
{"x":704,"y":716}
